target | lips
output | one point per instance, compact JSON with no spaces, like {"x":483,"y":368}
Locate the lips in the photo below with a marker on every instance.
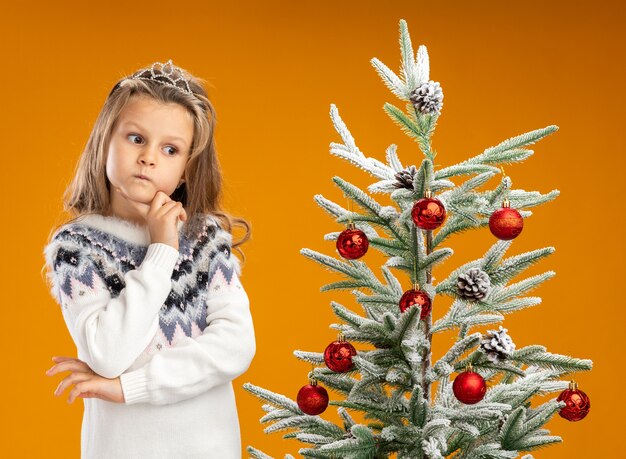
{"x":143,"y":177}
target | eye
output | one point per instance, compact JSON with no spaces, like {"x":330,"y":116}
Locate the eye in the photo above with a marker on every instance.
{"x":175,"y":150}
{"x":133,"y":135}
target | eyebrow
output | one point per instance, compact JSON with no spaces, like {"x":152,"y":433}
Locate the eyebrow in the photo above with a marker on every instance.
{"x":134,"y":123}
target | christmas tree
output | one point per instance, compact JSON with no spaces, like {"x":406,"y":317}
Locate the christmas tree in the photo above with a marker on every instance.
{"x":475,"y":401}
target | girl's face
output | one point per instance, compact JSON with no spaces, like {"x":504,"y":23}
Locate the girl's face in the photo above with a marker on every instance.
{"x":149,"y":139}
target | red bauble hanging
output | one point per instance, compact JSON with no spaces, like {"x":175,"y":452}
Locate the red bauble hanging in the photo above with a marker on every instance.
{"x":352,"y":243}
{"x":428,"y":213}
{"x":506,"y":223}
{"x":416,"y":296}
{"x":469,"y":387}
{"x":338,"y":355}
{"x":577,"y":403}
{"x":312,"y":399}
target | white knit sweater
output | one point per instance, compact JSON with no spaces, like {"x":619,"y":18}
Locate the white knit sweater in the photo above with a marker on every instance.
{"x":174,"y":325}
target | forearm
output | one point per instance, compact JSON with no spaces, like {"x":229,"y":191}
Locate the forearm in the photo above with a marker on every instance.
{"x":223,"y":352}
{"x":110,"y":333}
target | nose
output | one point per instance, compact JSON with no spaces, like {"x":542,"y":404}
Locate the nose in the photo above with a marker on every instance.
{"x":148,"y":156}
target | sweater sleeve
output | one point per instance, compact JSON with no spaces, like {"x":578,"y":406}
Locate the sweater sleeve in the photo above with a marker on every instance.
{"x":221,"y":353}
{"x":109,"y":332}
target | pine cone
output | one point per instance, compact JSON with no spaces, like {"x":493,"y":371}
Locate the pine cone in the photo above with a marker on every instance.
{"x":474,"y":284}
{"x":428,"y":98}
{"x":405,"y":178}
{"x":497,"y":345}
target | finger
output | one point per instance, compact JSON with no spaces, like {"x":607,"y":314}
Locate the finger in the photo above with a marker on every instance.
{"x":159,"y":212}
{"x":62,"y":366}
{"x":59,"y":359}
{"x":175,"y":214}
{"x":59,"y":367}
{"x":165,"y":205}
{"x":159,"y":199}
{"x":172,"y":211}
{"x":166,"y":208}
{"x":69,"y":365}
{"x":55,"y":368}
{"x":88,"y":394}
{"x":78,"y":389}
{"x":71,"y":379}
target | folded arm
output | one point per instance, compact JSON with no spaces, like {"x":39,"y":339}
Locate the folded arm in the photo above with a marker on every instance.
{"x":222,"y":352}
{"x":110,"y":332}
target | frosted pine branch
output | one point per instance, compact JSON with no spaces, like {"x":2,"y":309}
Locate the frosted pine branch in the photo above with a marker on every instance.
{"x":313,"y":439}
{"x":361,"y":445}
{"x":257,"y":454}
{"x":315,"y":358}
{"x":391,"y":155}
{"x":350,"y":317}
{"x":404,"y":121}
{"x":509,"y":151}
{"x":350,"y":152}
{"x":342,"y":383}
{"x":354,"y":269}
{"x":363,"y":200}
{"x":522,"y":199}
{"x":423,"y":65}
{"x":391,"y":80}
{"x":275,"y":399}
{"x":499,"y":294}
{"x":339,"y":213}
{"x":306,"y":423}
{"x":545,"y":359}
{"x":408,"y":68}
{"x":459,"y":348}
{"x":275,"y":414}
{"x":467,"y":169}
{"x":509,"y":268}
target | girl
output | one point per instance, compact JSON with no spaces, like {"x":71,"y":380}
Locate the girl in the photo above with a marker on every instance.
{"x":146,"y":281}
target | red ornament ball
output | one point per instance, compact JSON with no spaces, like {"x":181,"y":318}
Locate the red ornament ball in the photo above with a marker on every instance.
{"x":414,"y":296}
{"x":338,"y":356}
{"x":352,"y":243}
{"x":469,"y":387}
{"x":506,"y":223}
{"x":428,"y":213}
{"x":577,"y":404}
{"x":312,"y":399}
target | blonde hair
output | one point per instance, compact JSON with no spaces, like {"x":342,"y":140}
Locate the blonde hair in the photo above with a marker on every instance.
{"x":88,"y":192}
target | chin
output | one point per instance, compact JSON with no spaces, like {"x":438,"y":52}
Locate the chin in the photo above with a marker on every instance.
{"x":144,"y":196}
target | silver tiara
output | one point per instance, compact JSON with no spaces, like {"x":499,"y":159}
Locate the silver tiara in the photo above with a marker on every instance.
{"x":167,"y":74}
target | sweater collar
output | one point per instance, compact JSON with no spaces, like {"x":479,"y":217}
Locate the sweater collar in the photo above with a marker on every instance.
{"x":120,"y":228}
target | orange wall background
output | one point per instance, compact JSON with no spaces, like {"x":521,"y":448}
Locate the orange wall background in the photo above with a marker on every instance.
{"x":276,"y":66}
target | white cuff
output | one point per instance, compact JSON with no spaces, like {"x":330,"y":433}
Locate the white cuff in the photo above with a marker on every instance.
{"x":161,"y":255}
{"x":135,"y":386}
